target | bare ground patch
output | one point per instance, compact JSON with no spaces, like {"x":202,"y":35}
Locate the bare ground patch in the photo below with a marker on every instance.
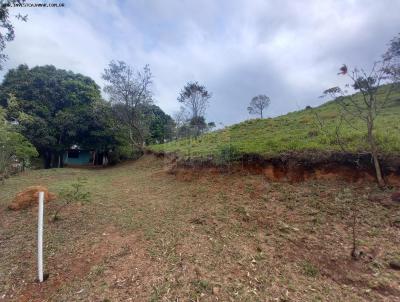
{"x":150,"y":236}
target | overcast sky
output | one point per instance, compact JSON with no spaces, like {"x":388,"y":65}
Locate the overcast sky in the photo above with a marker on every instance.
{"x":289,"y":50}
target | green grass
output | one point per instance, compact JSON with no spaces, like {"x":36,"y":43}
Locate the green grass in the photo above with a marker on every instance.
{"x":294,"y":132}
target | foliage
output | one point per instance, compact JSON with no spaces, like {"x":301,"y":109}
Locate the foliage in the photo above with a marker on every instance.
{"x":161,"y":125}
{"x":130,"y":91}
{"x":14,"y":147}
{"x":76,"y":192}
{"x":371,"y":106}
{"x":258,"y":104}
{"x":195,"y":97}
{"x":54,"y":109}
{"x":392,"y":55}
{"x":187,"y":127}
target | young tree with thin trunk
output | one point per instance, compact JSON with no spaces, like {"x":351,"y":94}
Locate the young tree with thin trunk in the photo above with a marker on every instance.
{"x":130,"y":90}
{"x":258,"y":104}
{"x":366,"y":105}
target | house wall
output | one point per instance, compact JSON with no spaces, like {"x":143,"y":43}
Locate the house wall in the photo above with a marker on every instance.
{"x":83,"y":159}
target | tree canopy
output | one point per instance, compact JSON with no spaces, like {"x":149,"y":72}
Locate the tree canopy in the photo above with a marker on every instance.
{"x":195,"y":98}
{"x":130,"y":91}
{"x":53,"y":108}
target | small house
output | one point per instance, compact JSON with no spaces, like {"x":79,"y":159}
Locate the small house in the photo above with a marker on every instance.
{"x":78,"y":157}
{"x":75,"y":156}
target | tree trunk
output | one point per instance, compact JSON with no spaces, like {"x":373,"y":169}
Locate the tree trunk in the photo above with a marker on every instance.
{"x":378,"y":171}
{"x":62,"y":159}
{"x":375,"y":158}
{"x":47,"y":159}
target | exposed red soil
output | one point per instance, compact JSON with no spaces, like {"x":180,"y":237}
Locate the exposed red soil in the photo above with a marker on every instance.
{"x":294,"y":167}
{"x":29,"y":197}
{"x":79,"y":266}
{"x":213,"y":237}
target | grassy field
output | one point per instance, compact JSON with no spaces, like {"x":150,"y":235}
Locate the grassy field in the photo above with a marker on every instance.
{"x":148,"y":235}
{"x":295,"y":132}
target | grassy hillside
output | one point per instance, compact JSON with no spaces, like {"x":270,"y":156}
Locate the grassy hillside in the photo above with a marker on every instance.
{"x":297,"y":131}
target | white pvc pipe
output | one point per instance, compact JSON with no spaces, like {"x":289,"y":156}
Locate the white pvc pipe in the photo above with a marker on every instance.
{"x":40,"y":237}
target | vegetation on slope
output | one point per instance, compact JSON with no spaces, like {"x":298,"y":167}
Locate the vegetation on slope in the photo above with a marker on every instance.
{"x":298,"y":131}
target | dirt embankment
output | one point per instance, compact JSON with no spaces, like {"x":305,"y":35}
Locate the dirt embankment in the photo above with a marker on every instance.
{"x":292,"y":167}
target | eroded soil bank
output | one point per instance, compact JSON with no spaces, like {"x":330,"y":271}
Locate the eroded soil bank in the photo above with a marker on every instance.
{"x":293,"y":167}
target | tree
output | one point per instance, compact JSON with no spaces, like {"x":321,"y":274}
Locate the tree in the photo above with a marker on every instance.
{"x":14,"y":147}
{"x":132,"y":90}
{"x":6,"y":25}
{"x":392,"y":57}
{"x":161,"y":125}
{"x":180,"y":118}
{"x":51,"y":106}
{"x":195,"y":97}
{"x":258,"y":104}
{"x":366,"y":105}
{"x":105,"y":134}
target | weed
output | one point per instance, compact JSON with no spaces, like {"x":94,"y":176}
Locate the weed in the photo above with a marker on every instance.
{"x":75,"y":193}
{"x":309,"y":269}
{"x":202,"y":286}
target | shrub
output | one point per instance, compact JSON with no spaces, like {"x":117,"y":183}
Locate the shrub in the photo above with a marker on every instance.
{"x":74,"y":193}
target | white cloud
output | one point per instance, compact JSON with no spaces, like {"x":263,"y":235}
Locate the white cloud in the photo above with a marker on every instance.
{"x":288,"y":49}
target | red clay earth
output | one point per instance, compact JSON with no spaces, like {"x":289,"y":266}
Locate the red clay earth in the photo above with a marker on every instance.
{"x":29,"y":197}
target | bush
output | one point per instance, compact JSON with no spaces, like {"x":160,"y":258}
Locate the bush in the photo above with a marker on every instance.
{"x":74,"y":193}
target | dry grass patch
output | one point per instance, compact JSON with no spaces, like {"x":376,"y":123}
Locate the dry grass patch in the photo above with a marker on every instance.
{"x":146,"y":236}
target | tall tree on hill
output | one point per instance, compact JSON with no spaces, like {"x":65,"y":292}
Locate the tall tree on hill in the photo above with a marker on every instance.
{"x":258,"y":104}
{"x":51,"y":106}
{"x":195,"y":97}
{"x":130,"y":89}
{"x":370,"y":101}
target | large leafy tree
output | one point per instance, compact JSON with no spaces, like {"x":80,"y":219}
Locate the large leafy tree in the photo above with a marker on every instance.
{"x":161,"y":125}
{"x":52,"y":107}
{"x":13,"y":146}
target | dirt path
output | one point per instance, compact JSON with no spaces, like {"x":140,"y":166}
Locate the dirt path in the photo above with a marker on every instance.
{"x":148,"y":236}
